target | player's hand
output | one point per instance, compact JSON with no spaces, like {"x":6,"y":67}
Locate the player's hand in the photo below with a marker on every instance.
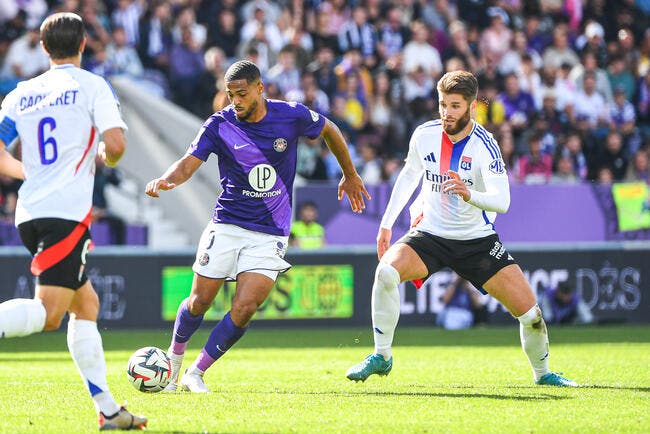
{"x":354,"y":188}
{"x":383,"y":241}
{"x":101,"y":150}
{"x":455,"y":185}
{"x":158,"y":184}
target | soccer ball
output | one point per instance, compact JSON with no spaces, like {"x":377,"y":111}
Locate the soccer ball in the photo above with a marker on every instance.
{"x":149,"y":369}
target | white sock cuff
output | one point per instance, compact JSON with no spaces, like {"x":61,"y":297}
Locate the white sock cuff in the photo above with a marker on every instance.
{"x":533,"y":316}
{"x":79,"y":329}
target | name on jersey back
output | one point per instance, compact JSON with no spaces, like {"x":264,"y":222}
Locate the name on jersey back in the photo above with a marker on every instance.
{"x":66,"y":97}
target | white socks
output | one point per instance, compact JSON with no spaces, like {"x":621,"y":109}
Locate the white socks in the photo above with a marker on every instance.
{"x":534,"y":340}
{"x":85,"y":345}
{"x":21,"y":317}
{"x":385,"y":308}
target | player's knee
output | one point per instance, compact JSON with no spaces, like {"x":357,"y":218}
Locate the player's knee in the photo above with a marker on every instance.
{"x":52,"y":322}
{"x":386,"y":276}
{"x":532,"y":318}
{"x":242,"y":311}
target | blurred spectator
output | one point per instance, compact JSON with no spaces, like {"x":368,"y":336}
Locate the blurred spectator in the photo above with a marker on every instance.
{"x":612,"y":156}
{"x":306,"y":232}
{"x":643,"y":105}
{"x":556,"y":121}
{"x":308,"y":93}
{"x":565,"y":89}
{"x":323,"y":69}
{"x":591,"y":105}
{"x":155,"y":36}
{"x":186,"y":19}
{"x":589,"y":65}
{"x":623,"y":119}
{"x":593,"y":40}
{"x":186,"y":66}
{"x":621,"y":78}
{"x":564,"y":173}
{"x":258,"y":27}
{"x":284,"y":73}
{"x":639,"y":169}
{"x":323,"y":35}
{"x":101,"y":212}
{"x":97,"y":26}
{"x":8,"y":197}
{"x":560,"y":52}
{"x":461,"y":301}
{"x":122,"y":58}
{"x":490,"y":111}
{"x":529,"y":80}
{"x":296,"y":38}
{"x":127,"y":15}
{"x":563,"y":305}
{"x":507,"y":144}
{"x":392,"y":38}
{"x":25,"y":59}
{"x":224,"y":33}
{"x":572,"y":150}
{"x":519,"y":106}
{"x":211,"y":96}
{"x":358,"y":33}
{"x":511,"y":61}
{"x":371,"y":166}
{"x":535,"y":167}
{"x":419,"y":53}
{"x":460,"y":47}
{"x":496,"y":39}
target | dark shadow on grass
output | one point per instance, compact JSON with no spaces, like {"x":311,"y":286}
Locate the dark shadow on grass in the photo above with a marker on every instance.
{"x":536,"y":397}
{"x":602,"y":386}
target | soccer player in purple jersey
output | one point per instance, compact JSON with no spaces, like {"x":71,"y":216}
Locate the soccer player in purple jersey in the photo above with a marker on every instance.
{"x":255,"y":140}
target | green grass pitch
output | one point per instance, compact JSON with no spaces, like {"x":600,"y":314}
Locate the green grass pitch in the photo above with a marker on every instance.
{"x":284,"y":381}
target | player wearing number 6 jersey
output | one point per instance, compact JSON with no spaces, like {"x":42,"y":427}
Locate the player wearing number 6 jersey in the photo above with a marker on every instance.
{"x":58,"y":117}
{"x":464,"y":184}
{"x":255,"y":140}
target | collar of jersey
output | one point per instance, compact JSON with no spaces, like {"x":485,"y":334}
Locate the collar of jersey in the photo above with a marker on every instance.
{"x":63,"y":66}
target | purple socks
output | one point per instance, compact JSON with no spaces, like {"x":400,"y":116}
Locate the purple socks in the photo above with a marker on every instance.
{"x":184,"y":327}
{"x":223,"y":336}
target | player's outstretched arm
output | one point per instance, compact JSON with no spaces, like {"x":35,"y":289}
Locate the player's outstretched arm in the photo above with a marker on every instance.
{"x":8,"y":164}
{"x":351,"y":183}
{"x":179,"y":172}
{"x":113,"y":147}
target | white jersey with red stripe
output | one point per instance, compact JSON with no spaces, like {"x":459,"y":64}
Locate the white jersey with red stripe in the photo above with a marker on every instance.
{"x":478,"y":161}
{"x":57,"y":116}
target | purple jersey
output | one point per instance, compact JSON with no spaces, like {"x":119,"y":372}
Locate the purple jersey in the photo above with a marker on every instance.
{"x":257,"y":163}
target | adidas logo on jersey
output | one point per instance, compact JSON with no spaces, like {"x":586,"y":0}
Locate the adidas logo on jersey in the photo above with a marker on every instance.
{"x":431,"y":158}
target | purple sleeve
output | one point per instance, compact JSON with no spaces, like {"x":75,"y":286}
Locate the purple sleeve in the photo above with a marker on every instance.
{"x":206,"y":142}
{"x":310,"y":123}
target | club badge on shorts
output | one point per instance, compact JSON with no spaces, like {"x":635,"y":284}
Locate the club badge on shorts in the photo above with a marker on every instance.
{"x":280,"y":144}
{"x":204,"y":259}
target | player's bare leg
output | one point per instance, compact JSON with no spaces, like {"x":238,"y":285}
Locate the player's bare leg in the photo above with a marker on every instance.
{"x":510,"y":287}
{"x":188,"y":319}
{"x":398,"y":264}
{"x":252,"y":289}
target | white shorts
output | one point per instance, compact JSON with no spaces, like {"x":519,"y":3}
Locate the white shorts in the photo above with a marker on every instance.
{"x":226,"y":250}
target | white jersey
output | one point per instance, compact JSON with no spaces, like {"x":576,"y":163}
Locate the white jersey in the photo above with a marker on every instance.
{"x":478,"y":161}
{"x":57,"y":116}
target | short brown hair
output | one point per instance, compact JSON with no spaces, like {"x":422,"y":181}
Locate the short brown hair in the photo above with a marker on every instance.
{"x":62,"y":34}
{"x":460,"y":82}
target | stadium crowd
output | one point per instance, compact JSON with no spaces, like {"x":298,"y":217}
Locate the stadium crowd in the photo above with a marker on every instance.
{"x":564,"y":84}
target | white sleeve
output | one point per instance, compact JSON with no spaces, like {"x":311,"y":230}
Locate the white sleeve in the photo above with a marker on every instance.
{"x":495,"y":198}
{"x":406,"y":183}
{"x":106,"y":108}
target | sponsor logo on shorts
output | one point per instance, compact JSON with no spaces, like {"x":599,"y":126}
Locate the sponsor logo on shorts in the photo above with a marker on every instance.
{"x":204,"y":259}
{"x":498,"y":250}
{"x":280,"y":145}
{"x":280,"y":249}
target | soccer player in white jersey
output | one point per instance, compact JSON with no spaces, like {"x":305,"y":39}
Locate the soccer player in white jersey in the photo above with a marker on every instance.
{"x":464,"y":185}
{"x":256,"y":141}
{"x":58,"y":116}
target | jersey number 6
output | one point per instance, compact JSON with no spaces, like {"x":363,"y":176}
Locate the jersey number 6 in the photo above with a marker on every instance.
{"x":46,"y":144}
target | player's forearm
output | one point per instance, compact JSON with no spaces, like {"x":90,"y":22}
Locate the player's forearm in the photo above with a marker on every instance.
{"x":336,"y":143}
{"x":10,"y":166}
{"x":181,"y":170}
{"x":495,"y":198}
{"x":114,"y":145}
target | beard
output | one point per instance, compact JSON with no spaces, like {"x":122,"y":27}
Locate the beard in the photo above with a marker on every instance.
{"x":461,"y":123}
{"x":247,"y":113}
